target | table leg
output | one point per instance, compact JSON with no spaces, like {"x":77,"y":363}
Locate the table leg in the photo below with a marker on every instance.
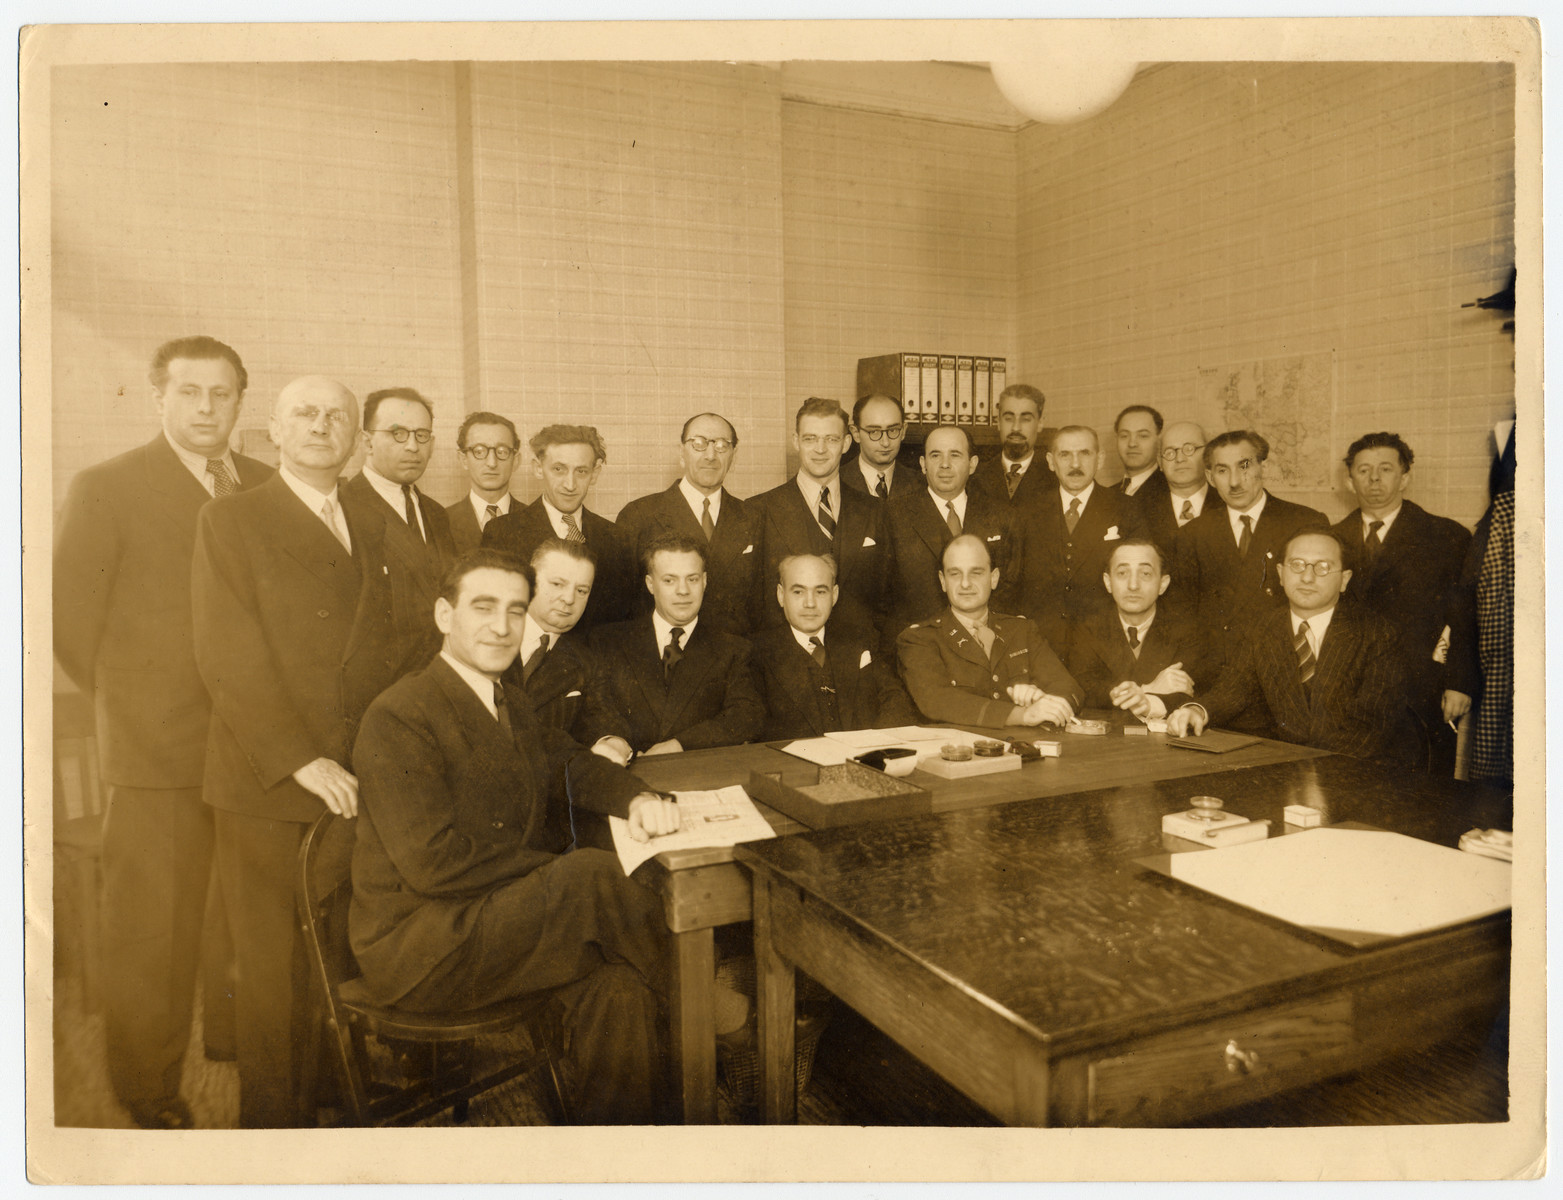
{"x":775,"y":982}
{"x":693,"y":1024}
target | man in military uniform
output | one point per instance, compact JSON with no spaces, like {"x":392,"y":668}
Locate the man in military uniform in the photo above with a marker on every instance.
{"x":974,"y":667}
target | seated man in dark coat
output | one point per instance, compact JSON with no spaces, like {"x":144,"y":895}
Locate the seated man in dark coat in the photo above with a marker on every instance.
{"x":974,"y":667}
{"x":671,"y":682}
{"x":463,"y":893}
{"x":1135,"y":657}
{"x":813,"y":681}
{"x":1326,"y":672}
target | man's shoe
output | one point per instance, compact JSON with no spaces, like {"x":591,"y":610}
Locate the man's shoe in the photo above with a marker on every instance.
{"x":173,"y":1115}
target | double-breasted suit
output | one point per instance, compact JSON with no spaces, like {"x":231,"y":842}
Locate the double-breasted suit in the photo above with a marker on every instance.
{"x":1412,"y":581}
{"x":1061,"y":575}
{"x":464,"y":528}
{"x":417,"y":567}
{"x":919,"y":533}
{"x":464,"y":895}
{"x":1100,"y":657}
{"x":733,"y":562}
{"x":708,"y":699}
{"x":522,"y":530}
{"x":1224,"y":591}
{"x":123,"y":632}
{"x":951,"y":679}
{"x":294,"y":636}
{"x":855,"y":689}
{"x":861,"y":547}
{"x":1355,"y":703}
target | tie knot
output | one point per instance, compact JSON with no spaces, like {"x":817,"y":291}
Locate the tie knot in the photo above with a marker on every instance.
{"x":1248,"y":521}
{"x":677,"y":634}
{"x":1014,"y":470}
{"x":1374,"y":527}
{"x":542,"y":643}
{"x":1188,"y":508}
{"x":1074,"y":505}
{"x":499,"y":694}
{"x":407,"y":490}
{"x":1134,"y":635}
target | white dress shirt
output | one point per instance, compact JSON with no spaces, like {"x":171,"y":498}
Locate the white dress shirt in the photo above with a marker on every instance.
{"x":1318,"y":625}
{"x":1137,"y":481}
{"x":1388,"y":519}
{"x":803,"y":638}
{"x":1195,"y":500}
{"x":196,"y":464}
{"x":314,"y":500}
{"x":1084,"y":497}
{"x":664,"y":631}
{"x":481,"y":685}
{"x":480,"y":507}
{"x":872,"y":473}
{"x":811,"y":487}
{"x":391,"y":492}
{"x":697,"y":499}
{"x":1023,"y":463}
{"x":556,"y":519}
{"x":531,"y":637}
{"x":1236,"y":518}
{"x":942,"y":505}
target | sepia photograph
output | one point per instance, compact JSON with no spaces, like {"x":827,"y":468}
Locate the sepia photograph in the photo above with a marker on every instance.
{"x":854,"y":600}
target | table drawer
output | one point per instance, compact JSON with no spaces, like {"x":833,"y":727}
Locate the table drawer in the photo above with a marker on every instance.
{"x":1171,"y":1076}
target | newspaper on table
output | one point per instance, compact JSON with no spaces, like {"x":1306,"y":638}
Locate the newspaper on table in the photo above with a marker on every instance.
{"x":720,"y":818}
{"x":835,"y":748}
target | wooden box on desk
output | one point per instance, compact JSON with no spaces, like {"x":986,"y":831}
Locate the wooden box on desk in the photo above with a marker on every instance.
{"x":841,"y":795}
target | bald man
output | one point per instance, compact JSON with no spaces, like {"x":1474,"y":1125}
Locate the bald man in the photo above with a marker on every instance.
{"x":293,"y":624}
{"x":1164,"y":511}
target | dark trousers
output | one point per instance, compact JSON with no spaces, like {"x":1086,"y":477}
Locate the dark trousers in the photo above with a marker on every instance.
{"x":578,"y":927}
{"x":257,"y":860}
{"x":157,"y":876}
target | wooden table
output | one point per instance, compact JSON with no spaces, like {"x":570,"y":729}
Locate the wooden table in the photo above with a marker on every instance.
{"x":703,"y":889}
{"x":1021,"y":954}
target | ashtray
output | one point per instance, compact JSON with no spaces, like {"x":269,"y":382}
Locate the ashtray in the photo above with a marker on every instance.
{"x":954,"y":752}
{"x":892,"y":760}
{"x":1097,"y":728}
{"x":986,"y":748}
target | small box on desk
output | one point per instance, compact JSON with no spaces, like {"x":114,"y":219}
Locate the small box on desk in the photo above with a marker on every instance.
{"x":841,"y":795}
{"x":946,"y":769}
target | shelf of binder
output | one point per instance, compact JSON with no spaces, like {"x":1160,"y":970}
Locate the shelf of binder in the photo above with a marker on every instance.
{"x":937,"y":389}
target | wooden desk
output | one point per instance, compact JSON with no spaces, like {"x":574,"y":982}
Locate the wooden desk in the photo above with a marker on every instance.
{"x":702,"y":889}
{"x":1022,"y":955}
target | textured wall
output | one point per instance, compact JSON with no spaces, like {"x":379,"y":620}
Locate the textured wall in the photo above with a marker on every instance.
{"x":1228,"y":214}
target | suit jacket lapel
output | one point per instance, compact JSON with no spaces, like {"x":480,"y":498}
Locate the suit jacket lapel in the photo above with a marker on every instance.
{"x":688,"y":676}
{"x":1114,"y":642}
{"x":488,"y":737}
{"x":964,"y":644}
{"x":645,"y":665}
{"x":792,"y":670}
{"x":929,"y":522}
{"x":732,"y":532}
{"x":178,"y":492}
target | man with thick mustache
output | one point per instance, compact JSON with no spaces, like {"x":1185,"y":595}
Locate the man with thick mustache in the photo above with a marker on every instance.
{"x":1018,"y":476}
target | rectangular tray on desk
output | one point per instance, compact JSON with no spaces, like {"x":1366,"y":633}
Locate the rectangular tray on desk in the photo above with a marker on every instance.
{"x":841,"y":795}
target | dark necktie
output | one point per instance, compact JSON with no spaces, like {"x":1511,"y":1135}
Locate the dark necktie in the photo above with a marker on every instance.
{"x":1072,"y":517}
{"x":412,"y":511}
{"x":223,"y":482}
{"x":706,"y":523}
{"x":529,"y":668}
{"x":950,"y":519}
{"x":1134,"y":639}
{"x":1012,"y":480}
{"x":1187,"y":514}
{"x":1247,"y":536}
{"x":817,"y":651}
{"x":490,"y":513}
{"x":1124,"y":486}
{"x":673,"y":652}
{"x":1373,"y":542}
{"x":573,"y":531}
{"x":1305,"y":659}
{"x":881,"y":489}
{"x":826,"y":521}
{"x":503,"y":710}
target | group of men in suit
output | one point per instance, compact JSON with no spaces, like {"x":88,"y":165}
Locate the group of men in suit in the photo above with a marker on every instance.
{"x":469,"y":681}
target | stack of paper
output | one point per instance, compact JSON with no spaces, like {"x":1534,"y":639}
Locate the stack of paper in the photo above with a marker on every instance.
{"x":835,"y":748}
{"x":721,"y":818}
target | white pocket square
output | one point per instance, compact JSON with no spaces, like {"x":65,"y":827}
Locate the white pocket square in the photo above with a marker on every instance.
{"x":749,"y":549}
{"x":865,"y":660}
{"x":1111,"y":535}
{"x":568,"y":695}
{"x":868,"y":541}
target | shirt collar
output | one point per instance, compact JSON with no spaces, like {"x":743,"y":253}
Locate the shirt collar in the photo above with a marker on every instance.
{"x":959,"y":501}
{"x":1317,"y":624}
{"x":803,"y":638}
{"x":1009,"y":464}
{"x":697,"y":499}
{"x":481,"y":685}
{"x":1197,"y":499}
{"x":1388,"y":519}
{"x":531,"y":636}
{"x":1145,"y":623}
{"x":556,"y":518}
{"x":970,"y":626}
{"x":871,"y":474}
{"x":1237,"y":518}
{"x":664,"y":630}
{"x":196,"y":463}
{"x":388,"y":490}
{"x":312,"y":497}
{"x":1136,"y":482}
{"x":480,"y":505}
{"x":1084,"y":497}
{"x":810,"y":487}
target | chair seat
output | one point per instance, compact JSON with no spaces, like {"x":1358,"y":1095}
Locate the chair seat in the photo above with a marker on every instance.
{"x":447,"y":1026}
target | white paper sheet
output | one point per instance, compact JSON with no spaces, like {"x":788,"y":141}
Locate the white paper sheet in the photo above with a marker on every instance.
{"x":720,"y":818}
{"x":821,"y":750}
{"x":1354,"y":880}
{"x":926,"y":741}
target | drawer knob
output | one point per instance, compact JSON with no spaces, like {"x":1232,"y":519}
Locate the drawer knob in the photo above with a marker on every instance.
{"x":1242,"y":1060}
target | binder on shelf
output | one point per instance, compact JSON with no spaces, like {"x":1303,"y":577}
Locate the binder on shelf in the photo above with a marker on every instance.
{"x":930,"y":387}
{"x":963,"y":398}
{"x":996,"y":385}
{"x":981,"y":369}
{"x":911,"y":386}
{"x":946,"y":387}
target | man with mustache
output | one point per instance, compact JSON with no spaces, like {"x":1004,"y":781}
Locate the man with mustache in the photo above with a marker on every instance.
{"x":1018,"y":476}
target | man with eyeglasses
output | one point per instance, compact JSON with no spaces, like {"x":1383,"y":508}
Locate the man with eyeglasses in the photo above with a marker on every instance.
{"x":486,"y":443}
{"x":878,"y":428}
{"x":699,"y":506}
{"x":1227,"y":557}
{"x":1186,"y":492}
{"x":1315,"y":672}
{"x":1138,"y":432}
{"x":567,"y":459}
{"x":813,"y":514}
{"x":291,"y":597}
{"x":398,"y":440}
{"x":1406,"y":566}
{"x":1018,"y":475}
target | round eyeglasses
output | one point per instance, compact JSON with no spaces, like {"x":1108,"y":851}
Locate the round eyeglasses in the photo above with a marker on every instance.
{"x":701,"y":444}
{"x":1187,"y":450}
{"x":422,"y":436}
{"x":500,"y":453}
{"x":1300,"y":566}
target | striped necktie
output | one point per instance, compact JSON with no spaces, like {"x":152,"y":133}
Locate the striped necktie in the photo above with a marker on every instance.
{"x":881,"y":489}
{"x":1305,"y":660}
{"x":826,"y":521}
{"x":573,"y":531}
